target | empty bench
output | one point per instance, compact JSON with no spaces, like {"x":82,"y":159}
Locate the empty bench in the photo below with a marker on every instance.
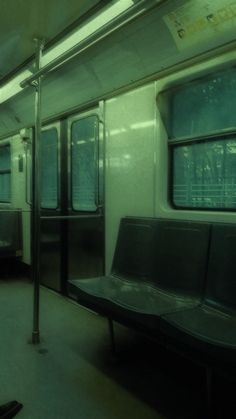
{"x":10,"y":234}
{"x":159,"y":267}
{"x":174,"y":279}
{"x":210,"y":328}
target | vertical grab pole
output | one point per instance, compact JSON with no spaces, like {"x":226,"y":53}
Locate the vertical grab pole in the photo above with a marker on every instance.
{"x":36,"y":199}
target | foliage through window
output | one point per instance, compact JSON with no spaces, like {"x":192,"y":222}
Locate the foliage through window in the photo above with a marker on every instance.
{"x":205,"y":174}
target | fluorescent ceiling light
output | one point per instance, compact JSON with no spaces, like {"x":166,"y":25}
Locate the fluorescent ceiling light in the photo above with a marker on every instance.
{"x":11,"y":88}
{"x":84,"y":31}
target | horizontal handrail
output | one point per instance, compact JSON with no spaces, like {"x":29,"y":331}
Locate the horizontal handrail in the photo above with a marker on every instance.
{"x":69,"y":217}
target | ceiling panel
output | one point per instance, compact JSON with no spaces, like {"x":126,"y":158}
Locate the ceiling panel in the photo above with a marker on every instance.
{"x":142,"y":48}
{"x":23,"y":20}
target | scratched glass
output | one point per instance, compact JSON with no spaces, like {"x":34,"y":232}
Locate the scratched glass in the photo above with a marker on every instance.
{"x":204,"y":106}
{"x":84,"y":163}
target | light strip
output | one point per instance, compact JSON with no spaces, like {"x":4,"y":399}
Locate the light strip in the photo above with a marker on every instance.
{"x":11,"y":88}
{"x":86,"y":30}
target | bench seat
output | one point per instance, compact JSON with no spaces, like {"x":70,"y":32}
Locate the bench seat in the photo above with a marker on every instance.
{"x":203,"y":323}
{"x":211,"y":327}
{"x":159,"y":267}
{"x":174,"y":281}
{"x":130,"y":318}
{"x":10,"y":234}
{"x":5,"y":244}
{"x":133,"y":295}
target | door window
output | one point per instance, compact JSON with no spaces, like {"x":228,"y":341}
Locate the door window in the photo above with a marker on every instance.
{"x":84,"y":163}
{"x":49,"y":169}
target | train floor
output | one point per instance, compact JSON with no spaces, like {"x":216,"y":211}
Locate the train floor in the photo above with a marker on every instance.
{"x":72,"y":374}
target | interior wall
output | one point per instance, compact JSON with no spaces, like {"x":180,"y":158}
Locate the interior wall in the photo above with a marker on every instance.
{"x":130,"y":160}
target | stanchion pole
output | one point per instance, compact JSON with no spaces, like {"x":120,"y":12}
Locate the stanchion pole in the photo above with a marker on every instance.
{"x":36,"y":196}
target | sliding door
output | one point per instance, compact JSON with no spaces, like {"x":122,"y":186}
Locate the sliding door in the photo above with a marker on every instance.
{"x":72,"y":213}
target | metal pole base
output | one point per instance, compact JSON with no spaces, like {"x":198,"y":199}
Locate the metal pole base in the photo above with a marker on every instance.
{"x":35,"y":337}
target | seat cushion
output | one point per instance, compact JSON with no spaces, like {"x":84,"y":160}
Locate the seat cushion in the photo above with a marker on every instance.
{"x":203,"y":327}
{"x":4,"y":244}
{"x":135,"y":296}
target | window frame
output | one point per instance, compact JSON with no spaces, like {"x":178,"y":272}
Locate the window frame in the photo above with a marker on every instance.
{"x":165,"y":109}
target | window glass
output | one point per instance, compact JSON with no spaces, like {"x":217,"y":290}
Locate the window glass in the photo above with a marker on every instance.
{"x":49,"y":169}
{"x":204,"y":174}
{"x":5,"y":158}
{"x":203,"y":106}
{"x":5,"y":174}
{"x":84,"y":163}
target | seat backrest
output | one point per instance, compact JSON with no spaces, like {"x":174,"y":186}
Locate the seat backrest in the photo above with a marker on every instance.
{"x":221,"y":278}
{"x":181,"y":254}
{"x":170,"y":254}
{"x":133,"y":256}
{"x":10,"y":231}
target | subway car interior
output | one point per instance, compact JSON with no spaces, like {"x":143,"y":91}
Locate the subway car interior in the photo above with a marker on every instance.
{"x":118,"y":209}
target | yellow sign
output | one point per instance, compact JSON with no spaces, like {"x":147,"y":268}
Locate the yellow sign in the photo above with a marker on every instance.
{"x":199,"y":20}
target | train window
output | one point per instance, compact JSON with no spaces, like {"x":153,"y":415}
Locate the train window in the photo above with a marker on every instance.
{"x":203,"y":106}
{"x":201,"y":125}
{"x":49,"y":169}
{"x":5,"y":173}
{"x":204,"y":174}
{"x":84,"y":163}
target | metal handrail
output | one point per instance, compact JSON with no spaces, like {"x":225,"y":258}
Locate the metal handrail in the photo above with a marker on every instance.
{"x":69,"y":217}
